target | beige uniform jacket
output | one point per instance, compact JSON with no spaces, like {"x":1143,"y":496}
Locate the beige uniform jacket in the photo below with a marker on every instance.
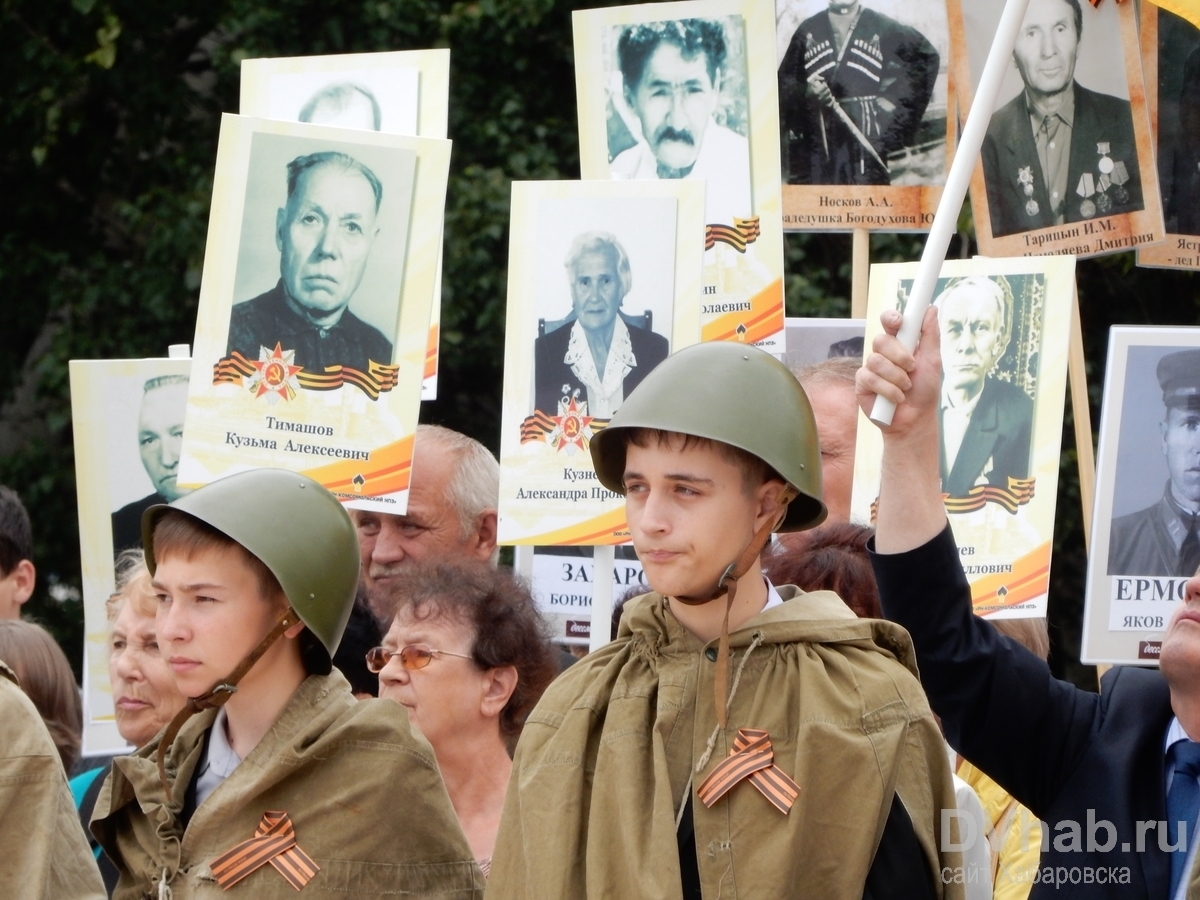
{"x":604,"y":760}
{"x":361,"y":787}
{"x":44,"y":854}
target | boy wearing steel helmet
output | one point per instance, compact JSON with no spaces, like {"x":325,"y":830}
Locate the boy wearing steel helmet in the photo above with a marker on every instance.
{"x":736,"y":739}
{"x":273,"y":778}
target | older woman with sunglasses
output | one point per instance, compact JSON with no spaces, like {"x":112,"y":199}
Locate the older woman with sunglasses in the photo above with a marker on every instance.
{"x":467,"y":655}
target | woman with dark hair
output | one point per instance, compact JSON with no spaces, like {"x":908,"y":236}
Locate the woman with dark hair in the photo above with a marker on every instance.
{"x":46,"y":678}
{"x":830,"y":558}
{"x":468,"y":656}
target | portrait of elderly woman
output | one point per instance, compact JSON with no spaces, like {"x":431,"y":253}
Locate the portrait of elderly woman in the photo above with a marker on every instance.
{"x":597,"y":354}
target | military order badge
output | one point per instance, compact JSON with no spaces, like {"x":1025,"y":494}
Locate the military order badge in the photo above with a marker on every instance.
{"x":1171,"y":61}
{"x":1146,"y":519}
{"x":1067,"y":164}
{"x":1004,"y":328}
{"x":127,"y":416}
{"x":312,"y":330}
{"x":603,"y":283}
{"x":401,"y":92}
{"x":865,"y":101}
{"x":686,"y":92}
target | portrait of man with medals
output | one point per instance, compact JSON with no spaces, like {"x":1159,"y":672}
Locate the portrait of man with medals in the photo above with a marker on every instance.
{"x":1057,"y":136}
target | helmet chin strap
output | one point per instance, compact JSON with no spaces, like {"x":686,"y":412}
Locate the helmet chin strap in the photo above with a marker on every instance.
{"x":220,"y":693}
{"x":727,"y":586}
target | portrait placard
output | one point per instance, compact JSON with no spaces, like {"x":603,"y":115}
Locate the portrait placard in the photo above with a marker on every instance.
{"x":398,"y":92}
{"x":809,"y":341}
{"x":1004,"y":328}
{"x":604,"y":282}
{"x":1171,"y":63}
{"x":1067,"y":164}
{"x":866,"y":113}
{"x":686,"y":91}
{"x":1147,"y":493}
{"x":127,"y":416}
{"x":562,"y":579}
{"x":311,"y":332}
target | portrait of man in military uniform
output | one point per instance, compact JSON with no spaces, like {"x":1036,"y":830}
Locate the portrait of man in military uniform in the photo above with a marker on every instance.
{"x":986,"y":423}
{"x":324,"y":233}
{"x":1058,"y":152}
{"x":1179,"y":122}
{"x":854,"y":86}
{"x":1163,"y":538}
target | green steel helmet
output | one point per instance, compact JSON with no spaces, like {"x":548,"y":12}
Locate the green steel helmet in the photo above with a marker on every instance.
{"x":300,"y":532}
{"x":735,"y":394}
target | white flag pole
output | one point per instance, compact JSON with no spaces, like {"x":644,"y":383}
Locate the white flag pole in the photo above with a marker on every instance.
{"x":946,"y":220}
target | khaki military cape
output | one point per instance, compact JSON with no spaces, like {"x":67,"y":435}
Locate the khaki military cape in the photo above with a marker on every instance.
{"x":44,"y":854}
{"x":361,"y":787}
{"x":602,"y":765}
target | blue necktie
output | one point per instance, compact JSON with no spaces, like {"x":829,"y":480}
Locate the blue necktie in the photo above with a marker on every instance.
{"x":1183,"y":800}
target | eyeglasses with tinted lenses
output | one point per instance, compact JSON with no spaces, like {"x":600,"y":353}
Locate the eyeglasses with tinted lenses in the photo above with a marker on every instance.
{"x":414,"y":656}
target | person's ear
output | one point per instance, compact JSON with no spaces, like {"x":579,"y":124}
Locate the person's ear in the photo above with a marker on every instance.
{"x":280,"y":224}
{"x":498,"y":686}
{"x":484,"y":538}
{"x":25,"y":578}
{"x":1162,"y":431}
{"x":767,"y":502}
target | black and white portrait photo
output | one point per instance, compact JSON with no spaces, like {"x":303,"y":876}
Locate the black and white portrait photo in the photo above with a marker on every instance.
{"x":376,"y":98}
{"x":158,"y":436}
{"x":989,"y":372}
{"x":1061,"y":145}
{"x":1179,"y":122}
{"x":1156,"y":494}
{"x":605,"y":286}
{"x":678,"y":108}
{"x":863,"y":91}
{"x":321,"y":258}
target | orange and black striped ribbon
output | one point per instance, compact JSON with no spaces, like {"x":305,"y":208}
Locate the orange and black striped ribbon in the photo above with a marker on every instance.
{"x":751,"y":757}
{"x":737,"y":235}
{"x":1018,"y":493}
{"x":540,"y":424}
{"x":274,"y":842}
{"x":378,"y":379}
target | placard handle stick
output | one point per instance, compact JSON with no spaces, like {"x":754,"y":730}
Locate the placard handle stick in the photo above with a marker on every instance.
{"x":603,"y":558}
{"x":945,"y":221}
{"x":860,"y":271}
{"x":1082,"y":414}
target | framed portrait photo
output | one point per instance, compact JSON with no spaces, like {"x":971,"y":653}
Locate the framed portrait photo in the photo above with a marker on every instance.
{"x":686,"y":92}
{"x":866,"y":108}
{"x":127,"y":416}
{"x":1067,"y":164}
{"x":1005,"y":326}
{"x":399,"y":92}
{"x":312,"y":330}
{"x":1144,"y":544}
{"x":604,"y":282}
{"x":1171,"y":63}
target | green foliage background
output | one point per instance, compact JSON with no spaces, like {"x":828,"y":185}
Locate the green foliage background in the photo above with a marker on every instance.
{"x":108,"y":130}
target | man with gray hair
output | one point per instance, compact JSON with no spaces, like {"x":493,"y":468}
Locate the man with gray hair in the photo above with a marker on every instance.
{"x":451,"y":515}
{"x":986,"y":423}
{"x":324,"y":233}
{"x":595,"y":355}
{"x":159,"y":437}
{"x":829,"y":385}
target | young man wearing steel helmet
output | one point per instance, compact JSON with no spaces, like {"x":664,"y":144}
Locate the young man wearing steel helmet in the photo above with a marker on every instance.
{"x":273,"y":778}
{"x":736,"y":739}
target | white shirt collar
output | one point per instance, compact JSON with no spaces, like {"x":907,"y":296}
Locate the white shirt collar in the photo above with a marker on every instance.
{"x":773,"y":598}
{"x":604,"y":394}
{"x":219,"y":759}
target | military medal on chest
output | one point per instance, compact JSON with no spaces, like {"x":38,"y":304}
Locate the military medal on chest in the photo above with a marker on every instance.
{"x":1087,"y":189}
{"x":1025,"y":179}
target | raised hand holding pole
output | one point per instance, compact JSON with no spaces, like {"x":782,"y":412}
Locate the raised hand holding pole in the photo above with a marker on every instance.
{"x":945,"y":220}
